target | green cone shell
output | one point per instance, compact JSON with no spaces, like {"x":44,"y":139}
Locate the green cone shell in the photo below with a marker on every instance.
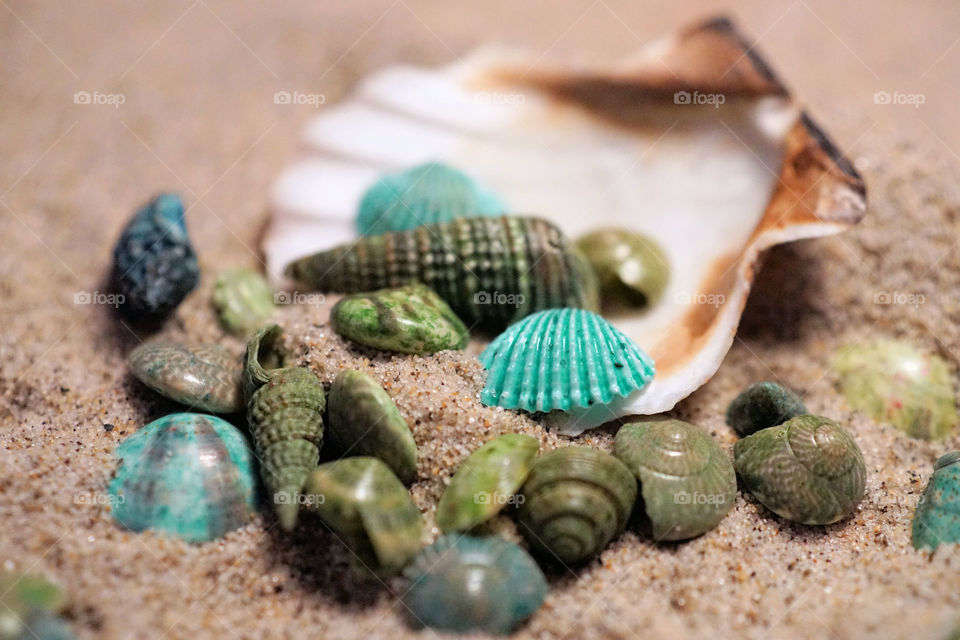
{"x":687,"y":482}
{"x":894,"y":382}
{"x":809,"y":469}
{"x":362,"y":420}
{"x":486,"y":482}
{"x":763,"y":405}
{"x":410,"y":319}
{"x":491,"y":271}
{"x":465,"y":584}
{"x":365,"y":504}
{"x":559,"y":359}
{"x":426,"y":194}
{"x":575,"y":501}
{"x":285,"y":416}
{"x":203,"y":377}
{"x":188,"y":474}
{"x":937,"y":518}
{"x":243,"y":300}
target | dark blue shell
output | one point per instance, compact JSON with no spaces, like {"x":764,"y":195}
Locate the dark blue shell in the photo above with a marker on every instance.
{"x":154,"y":265}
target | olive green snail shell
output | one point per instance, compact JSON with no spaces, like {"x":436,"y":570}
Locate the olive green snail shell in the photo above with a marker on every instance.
{"x":687,"y":482}
{"x":574,"y":502}
{"x":809,"y":469}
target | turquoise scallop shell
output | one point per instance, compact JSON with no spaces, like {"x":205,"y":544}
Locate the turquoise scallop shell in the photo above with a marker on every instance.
{"x":188,"y":474}
{"x":937,"y":519}
{"x":559,"y":359}
{"x":425,"y":194}
{"x":462,"y":583}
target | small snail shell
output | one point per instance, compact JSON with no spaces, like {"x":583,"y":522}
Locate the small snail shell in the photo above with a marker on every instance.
{"x":809,"y":469}
{"x":575,"y":501}
{"x":370,"y":509}
{"x":285,"y":413}
{"x":632,"y":269}
{"x":763,"y":405}
{"x":937,"y":519}
{"x":686,"y":480}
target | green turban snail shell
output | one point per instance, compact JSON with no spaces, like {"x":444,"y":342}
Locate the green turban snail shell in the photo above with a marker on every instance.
{"x":809,"y":469}
{"x":763,"y":405}
{"x":204,"y":377}
{"x":285,"y":408}
{"x":631,"y":268}
{"x":687,"y":482}
{"x":243,"y":300}
{"x":937,"y":518}
{"x":574,"y":502}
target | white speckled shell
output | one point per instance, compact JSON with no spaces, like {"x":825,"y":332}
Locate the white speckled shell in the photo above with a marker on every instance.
{"x":714,"y":185}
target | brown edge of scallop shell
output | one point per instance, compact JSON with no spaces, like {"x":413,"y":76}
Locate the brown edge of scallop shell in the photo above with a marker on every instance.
{"x":818,"y":190}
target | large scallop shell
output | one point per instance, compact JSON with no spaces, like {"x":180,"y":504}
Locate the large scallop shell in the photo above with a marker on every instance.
{"x":644,"y":144}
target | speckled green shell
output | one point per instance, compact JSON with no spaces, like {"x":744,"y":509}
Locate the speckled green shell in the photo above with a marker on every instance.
{"x":631,"y":268}
{"x":188,"y":474}
{"x":894,"y":382}
{"x":464,"y":584}
{"x":410,"y":319}
{"x":285,"y":413}
{"x":243,"y":300}
{"x":365,"y":504}
{"x":491,"y":271}
{"x":809,"y":469}
{"x":763,"y":405}
{"x":204,"y":377}
{"x":362,"y":420}
{"x":559,"y":359}
{"x":574,"y":502}
{"x":154,"y":265}
{"x":687,"y":482}
{"x":937,"y":518}
{"x":426,"y":194}
{"x":486,"y":482}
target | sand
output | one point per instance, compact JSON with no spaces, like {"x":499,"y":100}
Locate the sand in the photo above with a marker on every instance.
{"x":198,"y":117}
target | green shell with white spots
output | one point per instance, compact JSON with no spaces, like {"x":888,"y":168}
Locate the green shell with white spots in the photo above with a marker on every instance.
{"x":937,"y":518}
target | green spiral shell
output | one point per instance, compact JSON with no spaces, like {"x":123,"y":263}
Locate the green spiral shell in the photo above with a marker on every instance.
{"x":491,"y":271}
{"x":809,"y":469}
{"x":686,"y":480}
{"x":285,"y":414}
{"x":574,"y":502}
{"x":632,"y":269}
{"x":937,"y":518}
{"x":368,"y":507}
{"x":761,"y":406}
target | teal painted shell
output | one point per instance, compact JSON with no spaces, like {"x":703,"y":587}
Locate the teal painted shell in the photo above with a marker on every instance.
{"x":895,"y":382}
{"x":809,"y":469}
{"x":560,"y":359}
{"x":574,"y":502}
{"x":426,"y":194}
{"x":463,"y":584}
{"x":362,"y":420}
{"x":763,"y":405}
{"x":937,"y":518}
{"x":491,"y":271}
{"x":687,"y":482}
{"x":368,"y":507}
{"x":632,"y":269}
{"x":285,"y":414}
{"x":205,"y":377}
{"x":243,"y":300}
{"x":154,"y":265}
{"x":410,"y":319}
{"x":486,"y":482}
{"x":188,"y":474}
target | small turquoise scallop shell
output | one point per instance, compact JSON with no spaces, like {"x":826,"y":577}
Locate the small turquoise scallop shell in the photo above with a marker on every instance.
{"x":188,"y":474}
{"x":462,"y":583}
{"x":937,"y":519}
{"x":425,"y":194}
{"x":154,"y":265}
{"x":561,"y":359}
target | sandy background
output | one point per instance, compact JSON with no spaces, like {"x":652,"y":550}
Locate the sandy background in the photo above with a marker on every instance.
{"x":198,"y":117}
